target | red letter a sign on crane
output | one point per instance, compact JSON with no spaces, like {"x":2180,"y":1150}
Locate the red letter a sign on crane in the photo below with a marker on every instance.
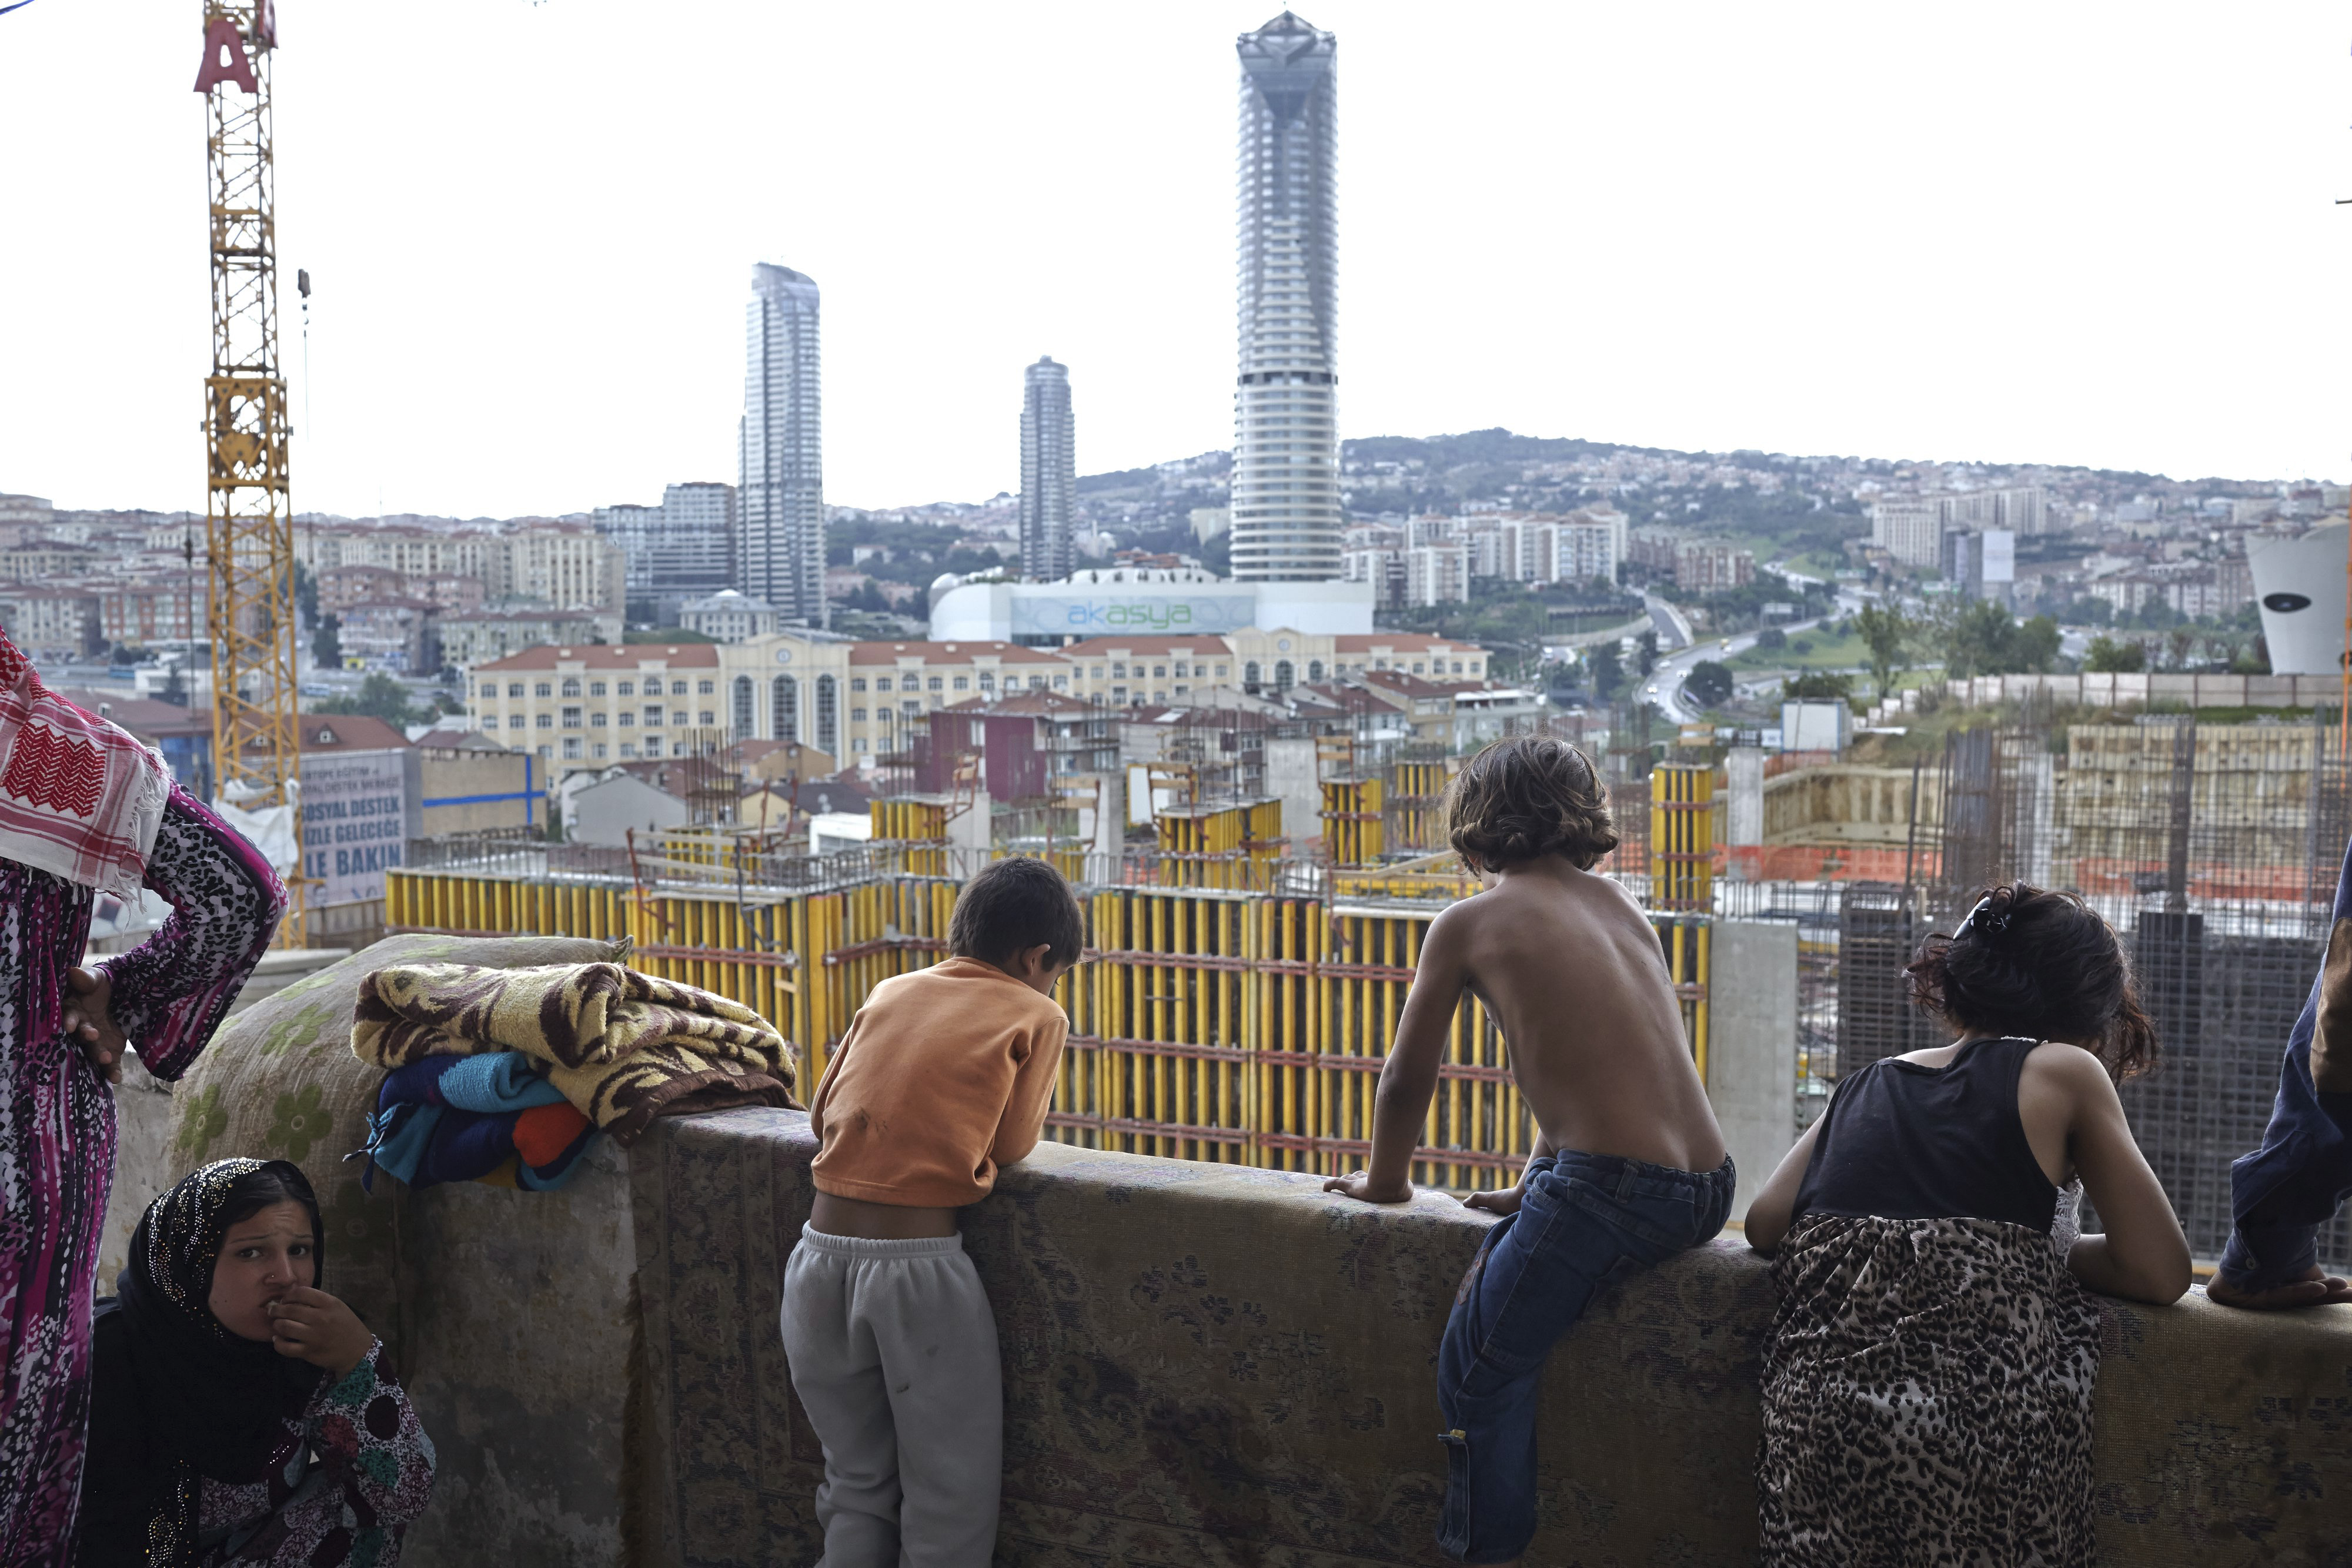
{"x":225,"y":57}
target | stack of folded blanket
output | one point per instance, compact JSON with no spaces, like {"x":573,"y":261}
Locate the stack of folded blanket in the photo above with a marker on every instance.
{"x":493,"y":1118}
{"x":619,"y":1046}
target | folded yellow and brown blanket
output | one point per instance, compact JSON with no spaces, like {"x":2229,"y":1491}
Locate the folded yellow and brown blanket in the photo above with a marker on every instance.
{"x":622,"y":1046}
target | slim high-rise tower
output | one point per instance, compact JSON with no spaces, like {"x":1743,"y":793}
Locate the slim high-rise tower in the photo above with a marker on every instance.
{"x":1286,"y":523}
{"x":1049,"y":472}
{"x":779,"y":515}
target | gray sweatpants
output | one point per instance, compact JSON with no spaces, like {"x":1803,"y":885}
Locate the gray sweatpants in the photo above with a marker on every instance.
{"x":893,"y":1353}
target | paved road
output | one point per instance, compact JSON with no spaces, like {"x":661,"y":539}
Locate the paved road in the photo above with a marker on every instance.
{"x":1664,"y":685}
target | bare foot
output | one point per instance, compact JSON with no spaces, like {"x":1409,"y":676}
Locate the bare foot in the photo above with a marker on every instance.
{"x":2314,"y":1290}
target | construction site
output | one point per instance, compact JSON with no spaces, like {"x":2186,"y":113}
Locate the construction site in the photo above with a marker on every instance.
{"x":1246,"y":969}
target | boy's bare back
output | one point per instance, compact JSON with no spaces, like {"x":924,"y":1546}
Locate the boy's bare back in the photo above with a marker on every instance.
{"x":1574,"y":977}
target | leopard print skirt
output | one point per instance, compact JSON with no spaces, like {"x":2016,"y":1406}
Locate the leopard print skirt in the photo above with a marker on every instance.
{"x":1927,"y":1398}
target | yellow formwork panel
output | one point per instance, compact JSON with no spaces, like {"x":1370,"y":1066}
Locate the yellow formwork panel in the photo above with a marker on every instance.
{"x":920,"y":822}
{"x":1416,"y":816}
{"x":1229,"y":846}
{"x":1681,"y":836}
{"x":1208,"y":1024}
{"x":1352,"y":823}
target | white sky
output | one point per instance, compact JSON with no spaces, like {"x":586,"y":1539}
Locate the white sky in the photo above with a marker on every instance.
{"x":2080,"y":233}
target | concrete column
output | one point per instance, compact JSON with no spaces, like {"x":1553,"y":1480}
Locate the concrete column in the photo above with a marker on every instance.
{"x":1751,"y":1046}
{"x":1743,"y":841}
{"x":1290,"y":777}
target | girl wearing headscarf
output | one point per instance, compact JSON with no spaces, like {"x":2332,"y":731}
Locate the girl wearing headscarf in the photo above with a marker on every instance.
{"x":85,"y":810}
{"x":240,"y":1415}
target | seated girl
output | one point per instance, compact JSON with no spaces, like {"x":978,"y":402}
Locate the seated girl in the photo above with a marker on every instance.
{"x":1927,"y":1381}
{"x":239,"y":1415}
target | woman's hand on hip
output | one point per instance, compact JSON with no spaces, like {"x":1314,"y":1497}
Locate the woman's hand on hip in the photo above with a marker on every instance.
{"x":89,"y":1020}
{"x":313,"y":1326}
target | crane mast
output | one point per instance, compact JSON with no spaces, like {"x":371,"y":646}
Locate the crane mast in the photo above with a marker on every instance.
{"x":248,"y":529}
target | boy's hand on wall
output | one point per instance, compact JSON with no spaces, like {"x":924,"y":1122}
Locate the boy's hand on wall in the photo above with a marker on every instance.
{"x":1502,"y":1200}
{"x":1357,"y":1185}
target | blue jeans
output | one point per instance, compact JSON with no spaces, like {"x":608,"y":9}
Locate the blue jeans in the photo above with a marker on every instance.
{"x":2281,"y":1194}
{"x":1583,"y":1221}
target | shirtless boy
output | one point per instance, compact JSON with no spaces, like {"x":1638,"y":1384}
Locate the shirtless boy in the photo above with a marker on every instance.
{"x":1628,"y":1166}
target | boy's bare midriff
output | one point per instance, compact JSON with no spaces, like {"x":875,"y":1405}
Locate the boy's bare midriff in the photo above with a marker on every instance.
{"x":831,"y":1215}
{"x":1572,"y":973}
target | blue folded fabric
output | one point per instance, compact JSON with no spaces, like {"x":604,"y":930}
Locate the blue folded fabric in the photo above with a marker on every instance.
{"x":495,"y":1081}
{"x":452,"y":1118}
{"x":418,"y":1084}
{"x":398,"y":1136}
{"x":466,"y":1147}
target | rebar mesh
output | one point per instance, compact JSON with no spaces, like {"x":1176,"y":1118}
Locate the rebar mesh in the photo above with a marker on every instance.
{"x":2214,"y":851}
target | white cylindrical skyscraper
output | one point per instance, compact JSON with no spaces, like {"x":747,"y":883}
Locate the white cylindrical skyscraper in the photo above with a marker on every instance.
{"x":1049,"y":473}
{"x":1287,"y":521}
{"x":779,"y":497}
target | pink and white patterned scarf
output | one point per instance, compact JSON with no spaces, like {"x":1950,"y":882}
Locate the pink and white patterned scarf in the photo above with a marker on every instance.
{"x":79,"y":798}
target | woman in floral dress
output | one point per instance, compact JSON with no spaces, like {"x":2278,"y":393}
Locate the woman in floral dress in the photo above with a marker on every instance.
{"x":85,"y":809}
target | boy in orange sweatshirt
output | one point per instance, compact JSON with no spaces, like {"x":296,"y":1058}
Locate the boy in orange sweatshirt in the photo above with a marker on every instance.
{"x":944,"y":1078}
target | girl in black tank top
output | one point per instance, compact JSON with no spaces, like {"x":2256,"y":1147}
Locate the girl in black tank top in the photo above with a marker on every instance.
{"x":1907,"y":1141}
{"x":1928,"y":1384}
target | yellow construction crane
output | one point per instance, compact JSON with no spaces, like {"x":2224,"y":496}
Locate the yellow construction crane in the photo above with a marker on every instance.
{"x":248,"y":530}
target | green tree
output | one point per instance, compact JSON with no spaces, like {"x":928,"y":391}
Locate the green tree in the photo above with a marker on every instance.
{"x":2106,"y":656}
{"x":1886,"y":633}
{"x":1709,"y":683}
{"x":1607,"y":673}
{"x":380,"y":696}
{"x":1982,"y":638}
{"x":2037,"y":644}
{"x":1817,"y":686}
{"x":1646,"y":647}
{"x":327,"y":643}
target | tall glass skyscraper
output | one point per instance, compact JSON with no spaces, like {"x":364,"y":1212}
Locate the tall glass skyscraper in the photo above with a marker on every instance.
{"x":1049,"y":472}
{"x":780,"y":502}
{"x":1286,"y":523}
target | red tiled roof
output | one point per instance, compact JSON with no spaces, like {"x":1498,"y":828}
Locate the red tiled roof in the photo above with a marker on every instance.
{"x":1111,"y":647}
{"x":140,"y":715}
{"x":1035,"y":701}
{"x":344,"y":732}
{"x":1396,"y":642}
{"x":605,"y":656}
{"x":448,"y":739}
{"x":957,"y":653}
{"x":1406,"y":685}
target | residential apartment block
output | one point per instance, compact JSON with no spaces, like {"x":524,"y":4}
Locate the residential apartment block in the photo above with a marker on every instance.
{"x":681,"y":549}
{"x":592,"y":704}
{"x":1911,"y":529}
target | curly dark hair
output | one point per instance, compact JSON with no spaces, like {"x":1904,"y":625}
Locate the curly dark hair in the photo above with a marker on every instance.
{"x":2038,"y":964}
{"x":1524,"y":798}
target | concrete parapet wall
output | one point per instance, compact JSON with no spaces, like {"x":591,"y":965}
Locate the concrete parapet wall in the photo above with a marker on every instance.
{"x":1218,"y":1366}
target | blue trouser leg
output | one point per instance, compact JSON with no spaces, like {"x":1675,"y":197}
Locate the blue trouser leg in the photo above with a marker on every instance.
{"x":1581,"y":1223}
{"x":2281,"y":1194}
